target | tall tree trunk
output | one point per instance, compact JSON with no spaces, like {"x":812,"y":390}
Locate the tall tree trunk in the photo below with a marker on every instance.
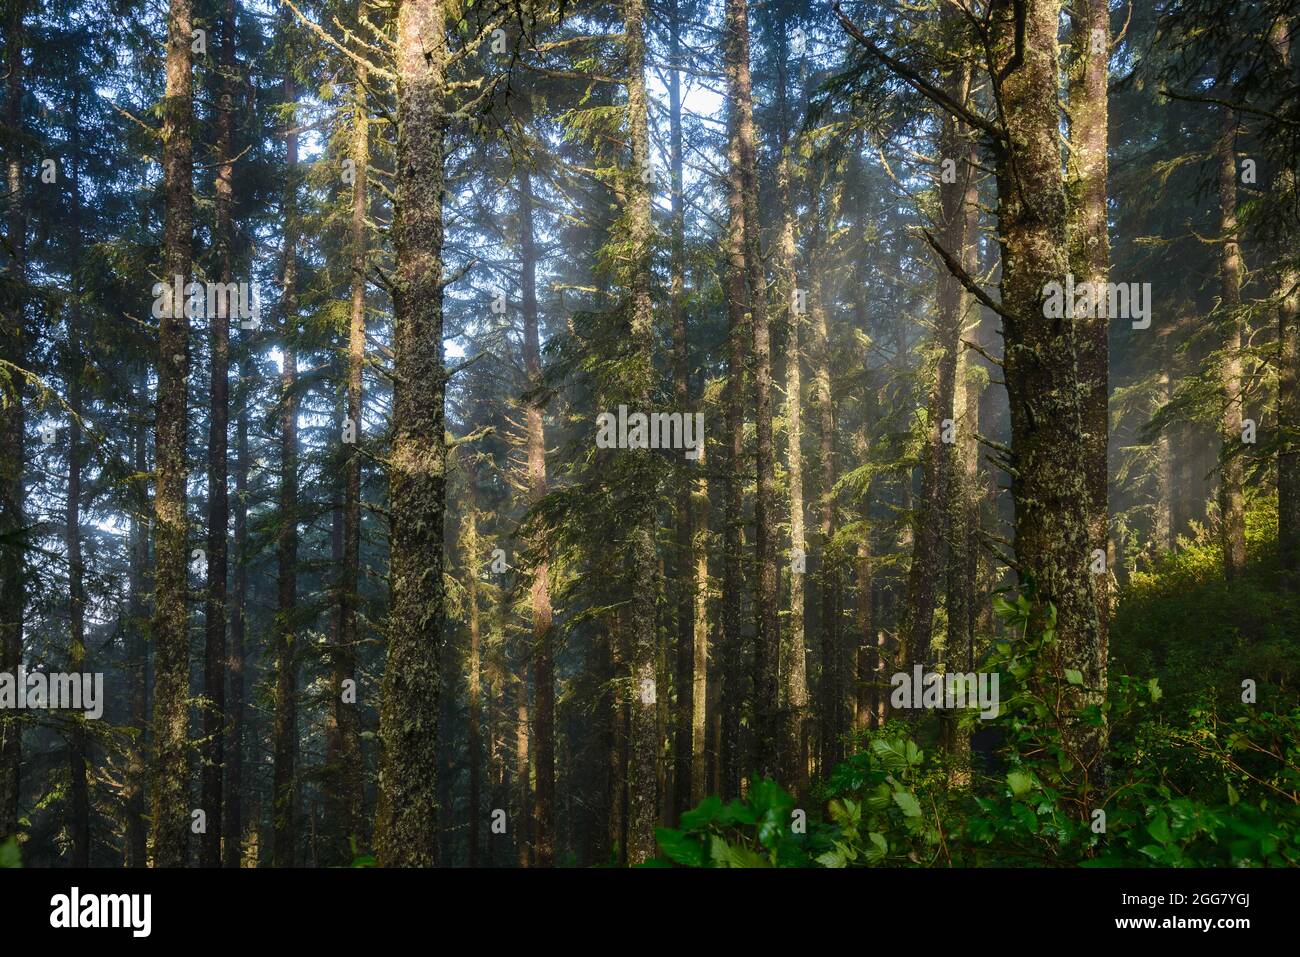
{"x":1288,"y":327}
{"x":618,"y":743}
{"x":233,"y":825}
{"x":938,"y":453}
{"x":470,"y":546}
{"x":684,"y":737}
{"x":407,"y":821}
{"x":78,"y":788}
{"x":1089,"y":249}
{"x":700,"y":693}
{"x":962,"y":511}
{"x":170,"y":795}
{"x":540,"y":590}
{"x":523,"y":774}
{"x":13,"y":548}
{"x":864,"y":609}
{"x":643,"y":746}
{"x":137,"y":828}
{"x":732,"y":690}
{"x":794,"y":658}
{"x":1232,"y":509}
{"x":347,"y":725}
{"x":1050,"y":491}
{"x":831,"y":704}
{"x":768,"y":635}
{"x":284,"y":787}
{"x":214,"y":661}
{"x":496,"y":750}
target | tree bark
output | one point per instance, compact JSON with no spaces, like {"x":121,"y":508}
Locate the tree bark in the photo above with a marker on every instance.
{"x":1288,"y":326}
{"x":687,"y":740}
{"x":1089,"y":249}
{"x":540,"y":589}
{"x":13,"y":547}
{"x":938,"y":454}
{"x":284,"y":787}
{"x":1050,"y":492}
{"x":831,"y":703}
{"x":344,"y":659}
{"x":137,"y":828}
{"x":170,"y":795}
{"x":794,"y":658}
{"x":768,"y":635}
{"x":78,"y":788}
{"x":407,"y":820}
{"x":214,"y":662}
{"x":1232,"y":508}
{"x":470,"y":547}
{"x":523,"y":773}
{"x":643,"y":746}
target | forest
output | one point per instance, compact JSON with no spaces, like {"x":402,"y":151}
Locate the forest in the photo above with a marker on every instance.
{"x":650,"y":433}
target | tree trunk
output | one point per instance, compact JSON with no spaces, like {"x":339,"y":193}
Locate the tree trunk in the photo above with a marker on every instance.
{"x":732,"y":690}
{"x":170,"y":797}
{"x":13,"y":546}
{"x":407,"y":820}
{"x":523,"y":774}
{"x":344,"y":658}
{"x":768,"y":635}
{"x":1050,"y":491}
{"x":831,"y":704}
{"x":540,"y":590}
{"x":1089,"y":250}
{"x":1288,"y":326}
{"x":686,"y":738}
{"x":233,"y":826}
{"x":1232,"y":509}
{"x":284,"y":788}
{"x":470,"y":547}
{"x":78,"y":788}
{"x":962,"y":511}
{"x":137,"y":828}
{"x":214,"y":661}
{"x":938,"y":454}
{"x":643,"y":746}
{"x":617,"y":743}
{"x":794,"y":658}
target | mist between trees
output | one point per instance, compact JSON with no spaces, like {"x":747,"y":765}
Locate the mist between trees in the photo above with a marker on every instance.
{"x":536,"y":434}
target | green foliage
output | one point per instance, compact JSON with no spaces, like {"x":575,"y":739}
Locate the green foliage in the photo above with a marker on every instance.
{"x":1204,"y":635}
{"x":9,"y":856}
{"x":1208,"y":785}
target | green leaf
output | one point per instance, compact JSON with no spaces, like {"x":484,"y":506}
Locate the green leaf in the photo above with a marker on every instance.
{"x":878,"y":849}
{"x":9,"y":856}
{"x":680,"y":847}
{"x":908,"y":803}
{"x":700,"y":816}
{"x":1074,"y":676}
{"x":731,"y":855}
{"x":1020,"y":782}
{"x":833,"y":858}
{"x":1159,"y":828}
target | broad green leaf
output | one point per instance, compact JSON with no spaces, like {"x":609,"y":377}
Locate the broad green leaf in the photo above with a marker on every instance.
{"x":1020,"y":782}
{"x":908,"y":803}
